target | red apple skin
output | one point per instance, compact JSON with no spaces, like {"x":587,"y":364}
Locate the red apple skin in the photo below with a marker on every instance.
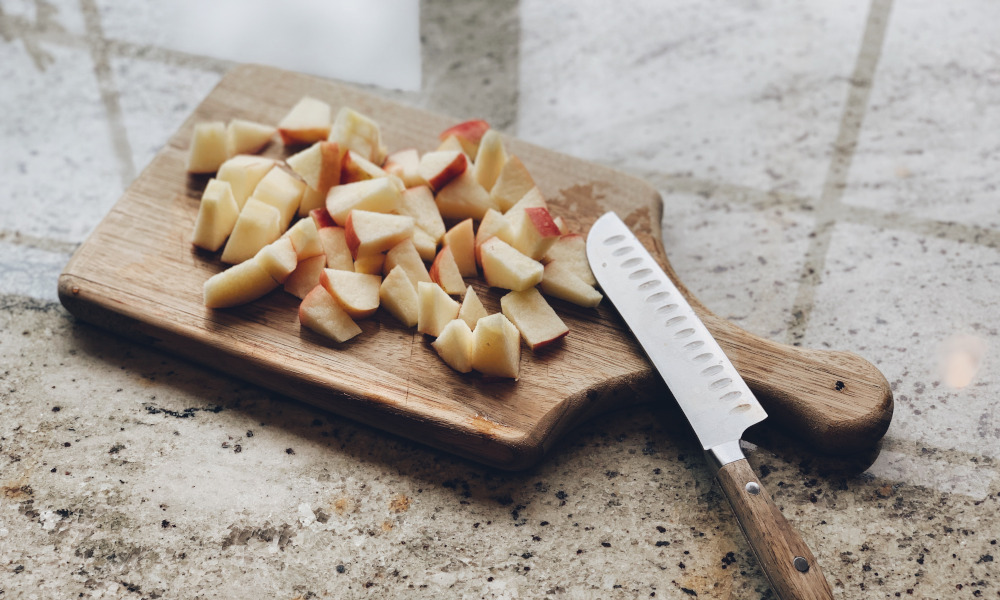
{"x":435,"y":270}
{"x":469,"y":130}
{"x":449,"y":172}
{"x":542,"y":221}
{"x":547,"y":343}
{"x":322,"y":218}
{"x":353,"y":241}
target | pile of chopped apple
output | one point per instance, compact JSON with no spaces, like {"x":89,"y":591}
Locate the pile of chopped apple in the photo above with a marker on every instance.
{"x":348,"y":229}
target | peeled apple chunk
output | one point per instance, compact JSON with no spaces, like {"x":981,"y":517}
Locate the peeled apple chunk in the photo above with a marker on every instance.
{"x":371,"y":232}
{"x":435,"y":309}
{"x":247,"y":137}
{"x":375,"y":195}
{"x":356,"y":293}
{"x":217,"y":216}
{"x":306,"y":123}
{"x":209,"y":148}
{"x":244,"y":172}
{"x":258,"y":225}
{"x":496,"y":347}
{"x":352,"y":130}
{"x":534,"y":318}
{"x":237,"y":285}
{"x":399,"y":296}
{"x":454,"y":345}
{"x":505,"y":267}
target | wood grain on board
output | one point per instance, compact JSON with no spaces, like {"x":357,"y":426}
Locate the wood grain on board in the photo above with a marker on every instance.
{"x":138,"y":274}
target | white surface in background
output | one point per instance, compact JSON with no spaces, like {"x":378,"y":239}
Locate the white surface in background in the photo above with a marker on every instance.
{"x":364,"y":41}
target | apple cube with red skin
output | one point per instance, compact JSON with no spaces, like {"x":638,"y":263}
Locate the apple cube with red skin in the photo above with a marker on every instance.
{"x":505,"y":267}
{"x":398,"y":295}
{"x":534,"y":232}
{"x":306,"y":123}
{"x":472,"y":308}
{"x":418,"y":202}
{"x":322,"y":218}
{"x":356,"y":293}
{"x":244,"y":172}
{"x":462,"y":241}
{"x":375,"y":195}
{"x":354,"y":131}
{"x":513,"y":182}
{"x":560,"y":281}
{"x":405,"y":164}
{"x":451,"y":144}
{"x":372,"y":232}
{"x":338,"y":254}
{"x":438,"y":169}
{"x":435,"y":308}
{"x":571,"y":251}
{"x":217,"y":215}
{"x":468,"y":133}
{"x":463,"y":198}
{"x":534,"y":318}
{"x":305,"y":277}
{"x":490,"y":159}
{"x":237,"y":285}
{"x":247,"y":137}
{"x":355,"y":167}
{"x":318,"y":165}
{"x":404,"y":255}
{"x":258,"y":225}
{"x":496,"y":347}
{"x":320,"y":312}
{"x":208,"y":148}
{"x":454,"y":345}
{"x":445,"y":272}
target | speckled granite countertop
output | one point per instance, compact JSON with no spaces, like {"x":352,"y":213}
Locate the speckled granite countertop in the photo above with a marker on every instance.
{"x":830,"y":173}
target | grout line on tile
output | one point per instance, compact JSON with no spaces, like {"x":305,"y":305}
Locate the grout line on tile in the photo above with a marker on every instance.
{"x":859,"y":90}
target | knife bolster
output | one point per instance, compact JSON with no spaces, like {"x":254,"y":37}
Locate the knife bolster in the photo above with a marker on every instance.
{"x":723,"y":454}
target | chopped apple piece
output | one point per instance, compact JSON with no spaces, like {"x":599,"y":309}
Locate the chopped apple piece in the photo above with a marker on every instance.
{"x":462,"y":242}
{"x":371,"y":264}
{"x":560,"y":281}
{"x":454,"y":345}
{"x":405,"y":164}
{"x":463,"y":198}
{"x":282,"y":191}
{"x":355,"y":167}
{"x":451,"y":144}
{"x":534,"y":318}
{"x":375,"y":195}
{"x":217,"y":214}
{"x":438,"y":169}
{"x":563,"y":227}
{"x":435,"y":308}
{"x":534,"y":232}
{"x":425,"y":244}
{"x":247,"y":137}
{"x":208,"y":148}
{"x":418,"y":202}
{"x":505,"y":267}
{"x":311,"y":200}
{"x":244,"y":172}
{"x":571,"y":251}
{"x":468,"y":134}
{"x":258,"y":225}
{"x":355,"y":131}
{"x":237,"y":285}
{"x":305,"y":239}
{"x":307,"y":122}
{"x":356,"y":293}
{"x":490,"y":159}
{"x":278,"y":258}
{"x":321,"y":313}
{"x":371,"y":232}
{"x":493,"y":224}
{"x":322,"y":218}
{"x":405,"y":255}
{"x":472,"y":308}
{"x":512,"y":184}
{"x":305,"y":276}
{"x":318,"y":165}
{"x":496,"y":347}
{"x":445,"y":272}
{"x":338,"y":254}
{"x":532,"y":199}
{"x":399,"y":296}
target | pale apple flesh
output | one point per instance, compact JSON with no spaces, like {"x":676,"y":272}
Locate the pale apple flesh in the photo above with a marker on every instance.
{"x":490,"y":159}
{"x":237,"y":285}
{"x":374,"y":195}
{"x":571,"y":251}
{"x":505,"y":267}
{"x":513,"y":182}
{"x":305,"y":276}
{"x":258,"y":225}
{"x":247,"y":137}
{"x":405,"y":255}
{"x":418,"y":202}
{"x":445,"y":272}
{"x":463,"y":198}
{"x":439,"y":168}
{"x":372,"y":232}
{"x":561,"y":282}
{"x":278,"y":258}
{"x":468,"y":134}
{"x":334,"y":242}
{"x":534,"y":318}
{"x":217,"y":215}
{"x":356,"y":293}
{"x":472,"y":308}
{"x":321,"y":313}
{"x":308,"y":122}
{"x":399,"y":296}
{"x":462,"y":241}
{"x":454,"y":345}
{"x":208,"y":147}
{"x":283,"y":191}
{"x":496,"y":347}
{"x":435,"y":308}
{"x":359,"y":133}
{"x":305,"y":239}
{"x":244,"y":172}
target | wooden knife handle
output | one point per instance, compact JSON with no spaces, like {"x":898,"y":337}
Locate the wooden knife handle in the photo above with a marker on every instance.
{"x":785,"y":559}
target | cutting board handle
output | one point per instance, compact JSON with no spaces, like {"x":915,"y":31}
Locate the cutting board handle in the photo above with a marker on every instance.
{"x":834,"y":401}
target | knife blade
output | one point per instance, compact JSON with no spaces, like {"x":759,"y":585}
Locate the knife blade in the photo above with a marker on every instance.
{"x":713,"y":396}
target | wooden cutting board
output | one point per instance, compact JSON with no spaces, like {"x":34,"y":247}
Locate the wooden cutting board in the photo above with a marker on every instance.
{"x":138,"y":275}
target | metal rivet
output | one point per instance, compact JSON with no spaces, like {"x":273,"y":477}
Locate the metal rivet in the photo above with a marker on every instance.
{"x":753,"y":488}
{"x":801,"y":564}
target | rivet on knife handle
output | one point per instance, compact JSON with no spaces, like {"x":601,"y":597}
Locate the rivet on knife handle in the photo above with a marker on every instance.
{"x":713,"y":396}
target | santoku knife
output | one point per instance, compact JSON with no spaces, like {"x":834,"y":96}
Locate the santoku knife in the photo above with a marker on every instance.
{"x":713,"y":396}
